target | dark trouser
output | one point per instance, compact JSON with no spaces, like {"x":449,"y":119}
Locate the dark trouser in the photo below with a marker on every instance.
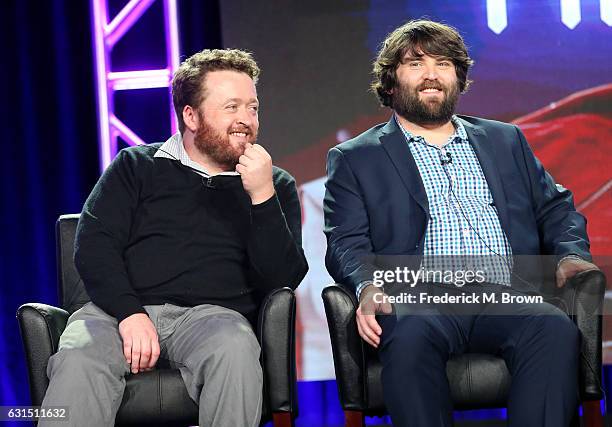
{"x":539,"y":343}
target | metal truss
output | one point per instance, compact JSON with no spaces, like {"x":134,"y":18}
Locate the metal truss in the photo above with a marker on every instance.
{"x":106,"y":34}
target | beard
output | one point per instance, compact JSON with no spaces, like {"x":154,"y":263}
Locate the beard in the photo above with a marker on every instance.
{"x":217,"y":146}
{"x":407,"y":103}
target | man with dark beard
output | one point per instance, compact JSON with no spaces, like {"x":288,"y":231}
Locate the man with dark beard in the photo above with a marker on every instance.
{"x":176,"y":245}
{"x":430,"y":184}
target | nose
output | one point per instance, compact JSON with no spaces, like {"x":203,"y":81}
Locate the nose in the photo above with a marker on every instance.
{"x":431,"y":72}
{"x":244,"y":117}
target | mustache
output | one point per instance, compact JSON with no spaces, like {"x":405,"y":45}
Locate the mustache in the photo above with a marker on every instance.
{"x":244,"y":129}
{"x":430,"y":85}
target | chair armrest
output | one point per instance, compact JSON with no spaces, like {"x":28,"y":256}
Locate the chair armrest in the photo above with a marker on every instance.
{"x":347,"y":346}
{"x":276,"y":334}
{"x":583,"y":295}
{"x":40,"y":326}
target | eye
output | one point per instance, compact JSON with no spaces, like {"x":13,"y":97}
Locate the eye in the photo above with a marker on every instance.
{"x":414,"y":64}
{"x":254,"y":108}
{"x":231,"y":107}
{"x":445,"y":64}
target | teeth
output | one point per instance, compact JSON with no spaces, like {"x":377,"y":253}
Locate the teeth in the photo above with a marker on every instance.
{"x":242,"y":134}
{"x":431,"y":90}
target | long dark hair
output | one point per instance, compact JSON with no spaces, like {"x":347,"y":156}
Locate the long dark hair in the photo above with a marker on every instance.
{"x":418,"y":37}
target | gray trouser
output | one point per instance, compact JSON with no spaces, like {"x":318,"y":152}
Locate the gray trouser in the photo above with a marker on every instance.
{"x":210,"y":345}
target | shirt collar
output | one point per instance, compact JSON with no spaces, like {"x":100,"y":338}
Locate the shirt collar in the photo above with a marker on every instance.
{"x":460,"y":134}
{"x":174,"y":149}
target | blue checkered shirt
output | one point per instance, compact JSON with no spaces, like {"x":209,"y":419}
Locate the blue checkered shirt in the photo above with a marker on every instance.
{"x":463,"y":232}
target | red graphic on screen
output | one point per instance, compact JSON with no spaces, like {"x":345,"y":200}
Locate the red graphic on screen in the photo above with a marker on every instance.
{"x":573,"y":139}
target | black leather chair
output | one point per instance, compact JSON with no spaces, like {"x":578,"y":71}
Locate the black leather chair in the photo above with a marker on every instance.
{"x":159,"y":397}
{"x":477,"y":381}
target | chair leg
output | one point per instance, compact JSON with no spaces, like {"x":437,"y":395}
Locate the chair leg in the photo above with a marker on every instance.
{"x":575,"y":422}
{"x":282,"y":419}
{"x":591,"y":411}
{"x":353,"y":419}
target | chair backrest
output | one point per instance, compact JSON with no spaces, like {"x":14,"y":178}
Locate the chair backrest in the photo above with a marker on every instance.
{"x":71,"y":291}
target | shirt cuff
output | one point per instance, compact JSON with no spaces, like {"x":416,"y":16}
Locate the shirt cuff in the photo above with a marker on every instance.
{"x":570,"y":256}
{"x":362,"y":286}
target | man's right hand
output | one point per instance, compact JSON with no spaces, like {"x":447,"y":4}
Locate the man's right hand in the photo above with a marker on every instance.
{"x":140,"y":342}
{"x":369,"y":329}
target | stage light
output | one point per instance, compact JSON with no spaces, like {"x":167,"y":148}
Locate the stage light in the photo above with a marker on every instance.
{"x":497,"y":16}
{"x":570,"y":13}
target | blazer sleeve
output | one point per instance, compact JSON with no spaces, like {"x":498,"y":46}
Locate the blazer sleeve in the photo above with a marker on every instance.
{"x":349,"y":258}
{"x":562,"y":230}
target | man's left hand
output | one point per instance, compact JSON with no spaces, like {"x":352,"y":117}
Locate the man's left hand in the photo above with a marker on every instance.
{"x":255,"y":169}
{"x":569,"y":267}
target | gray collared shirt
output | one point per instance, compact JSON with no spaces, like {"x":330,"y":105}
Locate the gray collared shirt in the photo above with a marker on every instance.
{"x":174,"y":149}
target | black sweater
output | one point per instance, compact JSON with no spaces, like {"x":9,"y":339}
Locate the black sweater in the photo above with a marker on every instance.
{"x":153,"y":231}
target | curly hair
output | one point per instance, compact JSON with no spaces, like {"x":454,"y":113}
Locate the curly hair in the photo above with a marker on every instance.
{"x":187,"y":84}
{"x":419,"y":37}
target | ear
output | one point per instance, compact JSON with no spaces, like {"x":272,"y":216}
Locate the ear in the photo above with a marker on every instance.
{"x":190,"y":117}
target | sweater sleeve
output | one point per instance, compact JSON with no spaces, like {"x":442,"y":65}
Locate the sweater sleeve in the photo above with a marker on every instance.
{"x":275,"y":241}
{"x":102,"y":236}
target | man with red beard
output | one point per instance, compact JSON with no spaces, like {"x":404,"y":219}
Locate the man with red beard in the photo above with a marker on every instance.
{"x":176,"y":245}
{"x":458,"y":191}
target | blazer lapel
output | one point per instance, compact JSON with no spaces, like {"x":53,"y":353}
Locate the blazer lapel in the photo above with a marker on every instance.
{"x":394,"y":143}
{"x":485,"y":151}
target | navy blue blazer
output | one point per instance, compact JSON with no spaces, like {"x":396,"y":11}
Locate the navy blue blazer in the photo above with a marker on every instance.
{"x":375,"y":203}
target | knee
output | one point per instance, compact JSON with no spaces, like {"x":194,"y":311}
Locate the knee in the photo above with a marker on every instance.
{"x":233,"y":348}
{"x":562,"y":333}
{"x":237,"y":341}
{"x":553,"y":337}
{"x":85,"y":361}
{"x":90,"y":344}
